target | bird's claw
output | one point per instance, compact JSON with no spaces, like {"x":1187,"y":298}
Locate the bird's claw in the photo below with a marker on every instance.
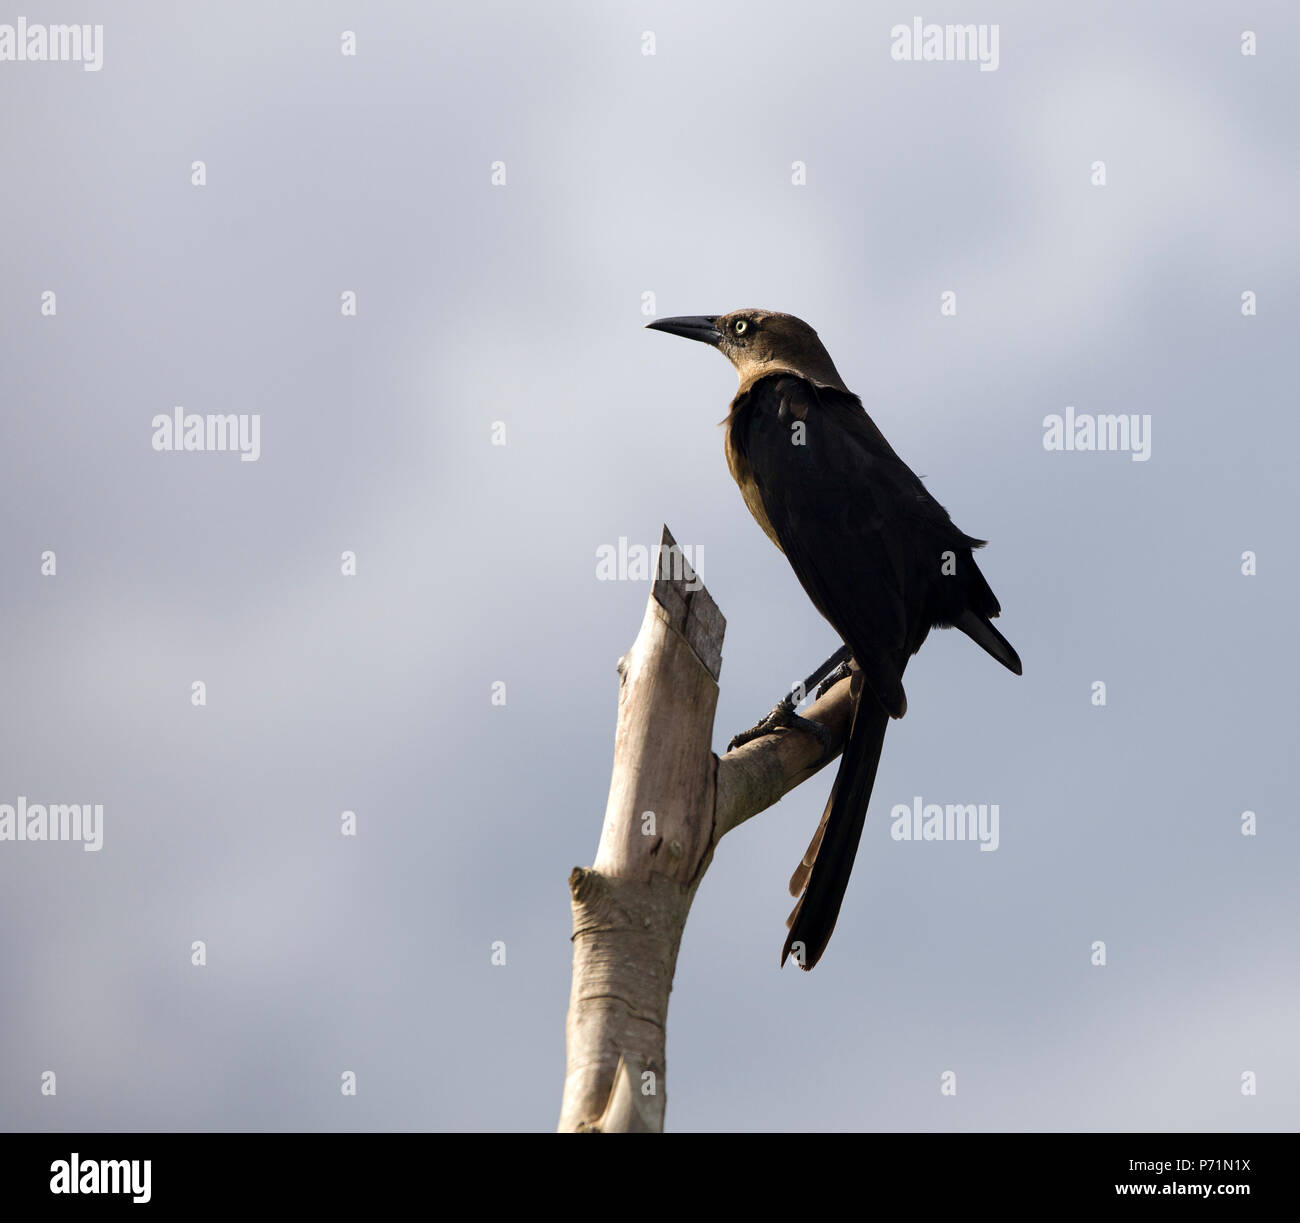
{"x":840,"y":672}
{"x":783,"y":717}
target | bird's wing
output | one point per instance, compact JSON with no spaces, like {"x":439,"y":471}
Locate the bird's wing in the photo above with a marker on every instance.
{"x":858,"y":527}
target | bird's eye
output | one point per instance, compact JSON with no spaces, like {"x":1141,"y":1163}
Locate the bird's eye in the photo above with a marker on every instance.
{"x":740,"y":326}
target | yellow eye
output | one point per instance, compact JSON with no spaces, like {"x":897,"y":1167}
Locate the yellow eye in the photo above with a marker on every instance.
{"x":740,"y":326}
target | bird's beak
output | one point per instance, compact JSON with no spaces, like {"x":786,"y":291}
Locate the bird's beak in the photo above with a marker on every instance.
{"x":691,"y":326}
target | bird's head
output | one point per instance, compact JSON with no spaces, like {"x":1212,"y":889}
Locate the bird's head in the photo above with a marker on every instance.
{"x":760,"y":342}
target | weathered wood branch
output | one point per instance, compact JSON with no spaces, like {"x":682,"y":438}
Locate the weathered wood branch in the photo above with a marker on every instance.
{"x":670,"y":801}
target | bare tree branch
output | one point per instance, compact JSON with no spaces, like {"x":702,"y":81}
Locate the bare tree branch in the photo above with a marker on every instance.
{"x":670,"y":801}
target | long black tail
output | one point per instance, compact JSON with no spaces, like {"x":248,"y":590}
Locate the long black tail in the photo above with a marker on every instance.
{"x":823,"y":875}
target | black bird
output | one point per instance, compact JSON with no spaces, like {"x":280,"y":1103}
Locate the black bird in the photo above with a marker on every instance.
{"x":876,"y":553}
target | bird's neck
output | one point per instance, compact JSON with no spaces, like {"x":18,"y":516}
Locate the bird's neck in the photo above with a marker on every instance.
{"x":819,"y":371}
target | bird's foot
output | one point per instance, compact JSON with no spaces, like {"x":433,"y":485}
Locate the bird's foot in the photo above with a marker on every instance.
{"x":783,"y":717}
{"x":840,"y":672}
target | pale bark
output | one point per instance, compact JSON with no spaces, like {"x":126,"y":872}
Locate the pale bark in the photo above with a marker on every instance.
{"x":670,"y":801}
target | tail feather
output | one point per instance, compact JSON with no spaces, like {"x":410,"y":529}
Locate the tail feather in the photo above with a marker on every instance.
{"x":799,"y":880}
{"x":984,"y":635}
{"x":823,"y":876}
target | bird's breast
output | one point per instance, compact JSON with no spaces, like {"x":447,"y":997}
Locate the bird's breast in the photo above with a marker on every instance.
{"x":743,"y":475}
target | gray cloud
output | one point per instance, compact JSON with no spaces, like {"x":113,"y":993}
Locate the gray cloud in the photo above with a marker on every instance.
{"x":627,"y":174}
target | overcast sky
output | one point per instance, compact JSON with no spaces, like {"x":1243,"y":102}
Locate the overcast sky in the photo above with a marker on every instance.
{"x":628,"y":174}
